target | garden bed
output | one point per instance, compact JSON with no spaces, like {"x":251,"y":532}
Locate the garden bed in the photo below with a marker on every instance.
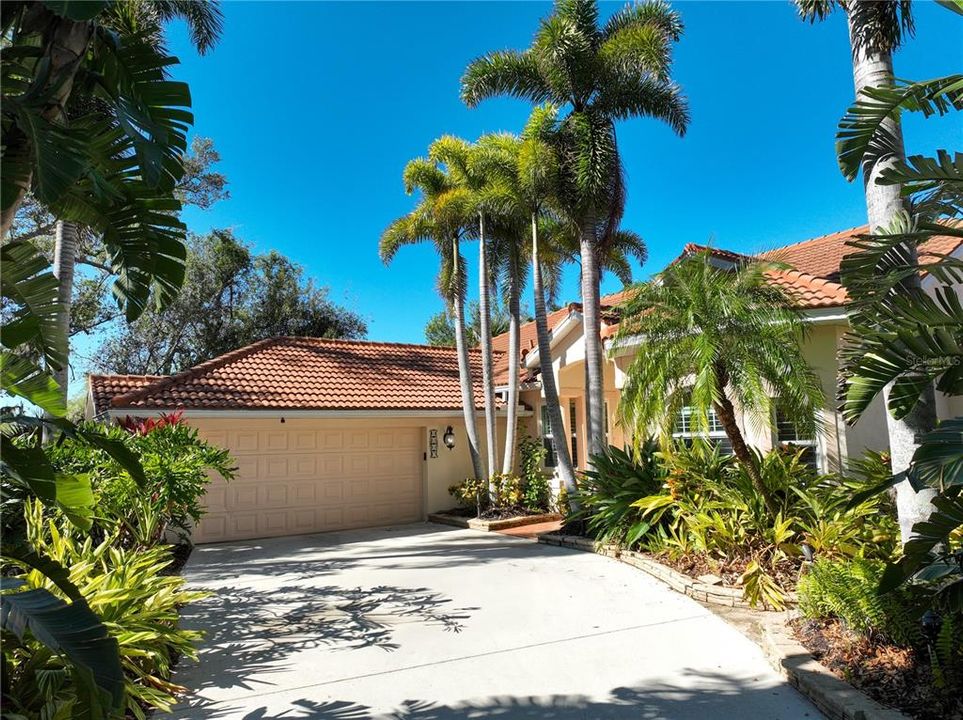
{"x":894,"y":676}
{"x":501,"y":521}
{"x":695,"y":587}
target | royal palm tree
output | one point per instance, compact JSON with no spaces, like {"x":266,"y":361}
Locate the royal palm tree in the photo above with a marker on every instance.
{"x":523,"y":180}
{"x":713,"y":338}
{"x":876,"y":29}
{"x":598,"y":75}
{"x":456,"y":155}
{"x":438,"y":218}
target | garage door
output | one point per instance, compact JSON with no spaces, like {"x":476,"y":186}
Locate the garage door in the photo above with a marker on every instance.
{"x":296,"y":481}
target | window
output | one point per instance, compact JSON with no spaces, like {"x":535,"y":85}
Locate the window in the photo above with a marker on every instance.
{"x":548,"y":439}
{"x":605,"y":410}
{"x":573,"y":423}
{"x":788,"y":436}
{"x":685,"y":430}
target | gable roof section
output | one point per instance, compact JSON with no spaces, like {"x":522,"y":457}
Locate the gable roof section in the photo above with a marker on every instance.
{"x":104,"y":387}
{"x":297,"y":373}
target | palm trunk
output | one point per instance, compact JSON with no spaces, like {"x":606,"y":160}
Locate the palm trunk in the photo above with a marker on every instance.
{"x":592,"y":325}
{"x":514,"y":322}
{"x":64,"y":54}
{"x":727,"y":416}
{"x":485,"y":341}
{"x":565,"y":469}
{"x":65,"y":257}
{"x":464,"y":368}
{"x":873,"y":67}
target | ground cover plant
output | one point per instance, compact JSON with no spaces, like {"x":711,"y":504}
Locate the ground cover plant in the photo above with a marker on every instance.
{"x":119,"y":567}
{"x":505,"y":494}
{"x":698,"y":510}
{"x":890,"y":644}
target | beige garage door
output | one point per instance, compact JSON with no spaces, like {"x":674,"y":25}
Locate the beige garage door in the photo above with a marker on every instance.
{"x":302,"y":480}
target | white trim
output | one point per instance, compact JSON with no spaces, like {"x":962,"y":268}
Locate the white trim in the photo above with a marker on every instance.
{"x":346,"y":414}
{"x":573,"y":319}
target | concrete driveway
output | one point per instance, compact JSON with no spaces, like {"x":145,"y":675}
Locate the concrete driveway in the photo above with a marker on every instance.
{"x":422,"y":622}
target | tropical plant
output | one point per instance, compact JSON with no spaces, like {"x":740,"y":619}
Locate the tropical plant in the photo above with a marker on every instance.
{"x":457,"y":156}
{"x":711,"y":511}
{"x":609,"y":491}
{"x":523,"y":176}
{"x":716,"y":337}
{"x":870,"y":142}
{"x":598,"y":75}
{"x":138,"y":602}
{"x":847,"y":590}
{"x":440,"y":218}
{"x":904,"y":338}
{"x":537,"y":493}
{"x":177,"y":464}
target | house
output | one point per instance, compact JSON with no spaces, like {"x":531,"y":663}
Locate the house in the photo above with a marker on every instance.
{"x":327,"y":434}
{"x":814,"y":281}
{"x":338,"y":434}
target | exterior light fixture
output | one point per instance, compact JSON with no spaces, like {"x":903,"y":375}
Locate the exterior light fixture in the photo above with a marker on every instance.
{"x":449,"y":438}
{"x":931,"y":623}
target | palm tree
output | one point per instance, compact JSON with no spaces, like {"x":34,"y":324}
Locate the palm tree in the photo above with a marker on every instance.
{"x":713,"y":338}
{"x":457,"y":157}
{"x":438,"y":218}
{"x":523,"y":176}
{"x":876,"y":29}
{"x":599,"y":75}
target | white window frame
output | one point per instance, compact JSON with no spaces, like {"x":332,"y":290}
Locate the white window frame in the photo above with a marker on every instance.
{"x":796,"y":442}
{"x":545,"y":422}
{"x":716,"y":432}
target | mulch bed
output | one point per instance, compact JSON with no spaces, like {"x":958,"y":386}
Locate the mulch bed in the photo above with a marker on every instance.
{"x":493,"y":513}
{"x":898,"y":677}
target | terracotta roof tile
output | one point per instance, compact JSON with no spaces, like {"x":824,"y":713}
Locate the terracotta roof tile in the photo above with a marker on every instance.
{"x":809,"y":291}
{"x":822,"y":256}
{"x":105,"y":387}
{"x":294,"y":373}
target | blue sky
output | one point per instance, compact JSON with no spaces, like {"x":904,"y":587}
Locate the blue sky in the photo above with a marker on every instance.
{"x":316,"y":108}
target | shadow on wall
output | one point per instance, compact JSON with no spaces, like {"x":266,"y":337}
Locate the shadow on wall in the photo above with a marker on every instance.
{"x":719,"y":696}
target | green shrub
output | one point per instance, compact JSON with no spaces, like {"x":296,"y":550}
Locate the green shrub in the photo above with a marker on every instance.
{"x":608,"y":492}
{"x":467,"y":492}
{"x":536,"y":492}
{"x":139,"y":605}
{"x":848,"y":590}
{"x":712,"y":510}
{"x":177,"y":463}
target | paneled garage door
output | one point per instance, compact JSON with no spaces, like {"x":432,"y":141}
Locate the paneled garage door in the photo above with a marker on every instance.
{"x":295,"y":481}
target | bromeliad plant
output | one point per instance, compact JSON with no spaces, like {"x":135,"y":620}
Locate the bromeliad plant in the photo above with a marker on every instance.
{"x":608,"y":493}
{"x":710,"y":510}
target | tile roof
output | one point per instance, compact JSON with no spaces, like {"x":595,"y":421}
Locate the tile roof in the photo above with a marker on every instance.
{"x":104,"y":387}
{"x":297,"y":373}
{"x":821,"y":256}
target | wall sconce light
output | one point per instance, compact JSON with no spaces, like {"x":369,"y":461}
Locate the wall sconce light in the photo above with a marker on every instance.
{"x":449,"y":438}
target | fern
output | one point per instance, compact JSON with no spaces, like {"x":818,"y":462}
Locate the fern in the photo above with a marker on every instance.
{"x":848,"y":590}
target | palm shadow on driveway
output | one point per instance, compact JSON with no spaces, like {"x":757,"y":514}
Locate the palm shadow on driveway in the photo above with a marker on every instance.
{"x":250,"y":633}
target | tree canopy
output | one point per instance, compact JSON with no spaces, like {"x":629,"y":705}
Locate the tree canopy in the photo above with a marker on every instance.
{"x":440,"y":329}
{"x":231,"y":297}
